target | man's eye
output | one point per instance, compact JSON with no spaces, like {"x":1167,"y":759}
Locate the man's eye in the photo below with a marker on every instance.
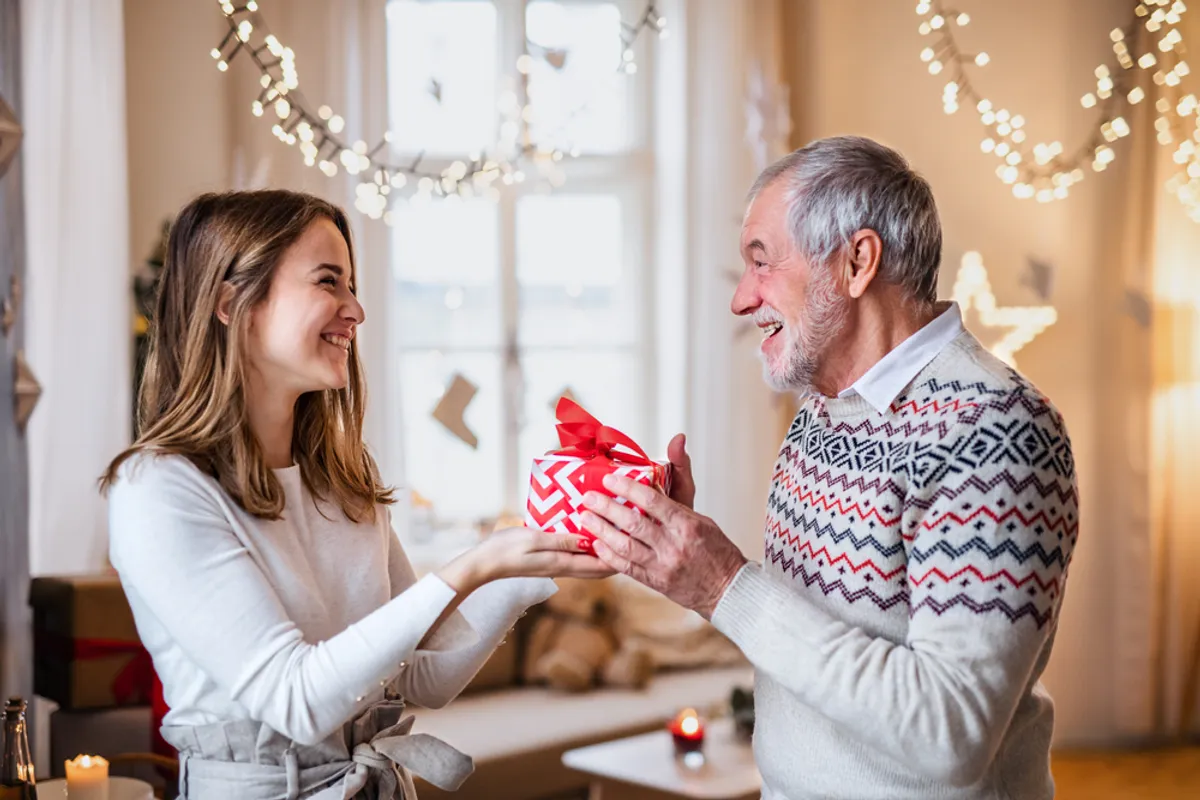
{"x":760,"y":264}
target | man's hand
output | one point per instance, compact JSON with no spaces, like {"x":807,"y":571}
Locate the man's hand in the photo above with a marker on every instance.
{"x":683,"y":486}
{"x":670,"y":548}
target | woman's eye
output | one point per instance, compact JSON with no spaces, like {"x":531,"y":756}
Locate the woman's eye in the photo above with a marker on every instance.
{"x":329,"y":281}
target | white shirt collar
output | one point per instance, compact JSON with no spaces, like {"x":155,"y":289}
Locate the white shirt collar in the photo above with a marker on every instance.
{"x":883,"y":382}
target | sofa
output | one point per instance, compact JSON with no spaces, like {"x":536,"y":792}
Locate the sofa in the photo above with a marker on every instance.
{"x":517,"y":733}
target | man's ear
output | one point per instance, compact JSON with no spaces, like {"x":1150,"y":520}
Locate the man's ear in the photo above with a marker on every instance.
{"x":224,"y":300}
{"x":862,"y":265}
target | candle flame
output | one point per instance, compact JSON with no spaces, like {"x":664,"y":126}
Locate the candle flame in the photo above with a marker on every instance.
{"x":690,"y":725}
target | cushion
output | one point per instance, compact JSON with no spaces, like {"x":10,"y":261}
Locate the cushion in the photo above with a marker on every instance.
{"x":674,"y":636}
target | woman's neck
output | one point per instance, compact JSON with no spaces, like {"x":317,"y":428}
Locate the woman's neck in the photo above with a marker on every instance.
{"x":272,"y":415}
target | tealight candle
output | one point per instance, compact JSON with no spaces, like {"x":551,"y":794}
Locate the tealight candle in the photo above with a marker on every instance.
{"x":687,"y":731}
{"x":87,"y":778}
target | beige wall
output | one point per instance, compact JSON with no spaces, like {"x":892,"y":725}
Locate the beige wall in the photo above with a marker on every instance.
{"x":854,"y":68}
{"x":177,"y":110}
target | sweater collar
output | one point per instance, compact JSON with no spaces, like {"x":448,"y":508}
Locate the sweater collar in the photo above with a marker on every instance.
{"x":883,"y":382}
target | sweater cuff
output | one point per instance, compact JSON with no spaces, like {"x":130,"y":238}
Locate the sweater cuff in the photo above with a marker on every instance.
{"x":737,"y":611}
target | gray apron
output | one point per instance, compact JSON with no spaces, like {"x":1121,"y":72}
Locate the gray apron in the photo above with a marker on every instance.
{"x":373,"y":758}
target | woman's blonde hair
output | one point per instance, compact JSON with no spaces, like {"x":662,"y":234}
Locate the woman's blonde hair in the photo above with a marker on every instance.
{"x":192,"y":401}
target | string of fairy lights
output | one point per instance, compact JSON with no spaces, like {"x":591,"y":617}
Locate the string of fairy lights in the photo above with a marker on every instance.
{"x":318,"y":131}
{"x":1046,"y":170}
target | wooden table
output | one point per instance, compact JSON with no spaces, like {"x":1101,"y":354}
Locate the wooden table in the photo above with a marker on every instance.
{"x":645,"y":767}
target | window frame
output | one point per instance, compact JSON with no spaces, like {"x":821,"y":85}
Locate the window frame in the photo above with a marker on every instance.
{"x":628,"y":174}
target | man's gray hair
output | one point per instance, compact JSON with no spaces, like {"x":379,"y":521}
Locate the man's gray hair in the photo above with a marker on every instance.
{"x":845,"y":184}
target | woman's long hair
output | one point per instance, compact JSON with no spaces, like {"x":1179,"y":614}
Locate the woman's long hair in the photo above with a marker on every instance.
{"x":192,"y":400}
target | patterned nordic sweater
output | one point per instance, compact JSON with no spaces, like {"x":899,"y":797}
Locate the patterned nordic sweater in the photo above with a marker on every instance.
{"x":907,"y":604}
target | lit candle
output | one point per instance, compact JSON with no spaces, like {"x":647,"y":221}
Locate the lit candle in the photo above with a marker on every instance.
{"x":87,"y":778}
{"x":687,"y":730}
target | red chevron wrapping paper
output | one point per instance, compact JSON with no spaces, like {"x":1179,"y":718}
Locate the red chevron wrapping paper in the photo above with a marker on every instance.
{"x":589,"y":451}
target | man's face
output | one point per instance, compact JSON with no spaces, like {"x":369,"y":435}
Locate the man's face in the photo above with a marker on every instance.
{"x":799,"y":308}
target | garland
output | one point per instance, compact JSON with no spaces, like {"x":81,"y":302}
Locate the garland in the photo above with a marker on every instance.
{"x":1046,"y":171}
{"x":318,"y":130}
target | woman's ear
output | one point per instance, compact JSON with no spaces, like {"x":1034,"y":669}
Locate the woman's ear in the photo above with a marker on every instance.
{"x":224,"y":300}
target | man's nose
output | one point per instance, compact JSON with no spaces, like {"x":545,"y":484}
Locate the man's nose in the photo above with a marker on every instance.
{"x":746,"y":299}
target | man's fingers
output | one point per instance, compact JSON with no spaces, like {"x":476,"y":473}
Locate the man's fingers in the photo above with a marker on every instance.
{"x":623,"y":516}
{"x":677,"y":453}
{"x":652,"y":501}
{"x":606,"y":555}
{"x":618,"y":541}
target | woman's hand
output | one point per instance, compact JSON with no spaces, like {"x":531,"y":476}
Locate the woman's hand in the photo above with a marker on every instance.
{"x":523,"y":552}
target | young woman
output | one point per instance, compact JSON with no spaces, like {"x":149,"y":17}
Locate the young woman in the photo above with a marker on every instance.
{"x":252,"y":534}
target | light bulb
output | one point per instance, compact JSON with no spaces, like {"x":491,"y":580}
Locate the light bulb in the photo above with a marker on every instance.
{"x":963,"y":20}
{"x":926,"y":54}
{"x":982,"y":59}
{"x":1088,"y":100}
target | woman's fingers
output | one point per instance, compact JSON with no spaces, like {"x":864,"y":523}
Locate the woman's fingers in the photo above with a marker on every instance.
{"x":560,"y":542}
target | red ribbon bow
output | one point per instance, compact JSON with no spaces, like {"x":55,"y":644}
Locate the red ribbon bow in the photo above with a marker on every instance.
{"x":581,"y":435}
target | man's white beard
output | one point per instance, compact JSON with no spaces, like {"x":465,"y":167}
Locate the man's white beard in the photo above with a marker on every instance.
{"x":809,"y":338}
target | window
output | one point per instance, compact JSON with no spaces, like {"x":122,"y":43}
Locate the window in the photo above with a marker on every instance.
{"x":524,"y":292}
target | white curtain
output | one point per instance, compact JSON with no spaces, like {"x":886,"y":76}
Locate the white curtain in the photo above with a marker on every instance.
{"x":710,"y":382}
{"x":77,"y":228}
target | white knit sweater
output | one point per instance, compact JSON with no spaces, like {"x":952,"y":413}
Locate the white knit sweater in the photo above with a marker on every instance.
{"x":915,"y":562}
{"x":298,"y":623}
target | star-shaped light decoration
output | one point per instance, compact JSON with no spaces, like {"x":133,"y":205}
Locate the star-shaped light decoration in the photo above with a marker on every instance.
{"x":1016,"y":326}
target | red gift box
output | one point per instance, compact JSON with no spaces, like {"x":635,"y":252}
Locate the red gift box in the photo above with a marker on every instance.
{"x":589,"y":451}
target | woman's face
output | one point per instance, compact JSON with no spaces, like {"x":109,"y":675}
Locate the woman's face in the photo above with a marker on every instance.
{"x":299,"y":338}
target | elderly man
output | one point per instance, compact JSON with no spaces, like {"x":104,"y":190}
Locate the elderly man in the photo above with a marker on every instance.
{"x":921,"y":518}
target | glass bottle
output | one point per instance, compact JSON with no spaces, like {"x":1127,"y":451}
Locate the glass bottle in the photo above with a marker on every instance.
{"x":17,"y":781}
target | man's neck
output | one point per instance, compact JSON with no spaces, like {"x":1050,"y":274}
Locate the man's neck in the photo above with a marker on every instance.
{"x":877,"y":326}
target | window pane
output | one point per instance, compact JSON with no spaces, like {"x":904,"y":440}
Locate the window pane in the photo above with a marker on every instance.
{"x":446,"y":48}
{"x":462,"y":484}
{"x":574,"y":288}
{"x":605,"y":382}
{"x":583,"y":104}
{"x":446,"y":272}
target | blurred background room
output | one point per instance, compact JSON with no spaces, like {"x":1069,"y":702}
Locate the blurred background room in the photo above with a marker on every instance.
{"x":546,"y":198}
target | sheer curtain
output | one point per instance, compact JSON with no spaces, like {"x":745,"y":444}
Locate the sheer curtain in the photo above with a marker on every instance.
{"x":1151,"y":441}
{"x":1174,"y":288}
{"x":710,"y":381}
{"x":77,"y":297}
